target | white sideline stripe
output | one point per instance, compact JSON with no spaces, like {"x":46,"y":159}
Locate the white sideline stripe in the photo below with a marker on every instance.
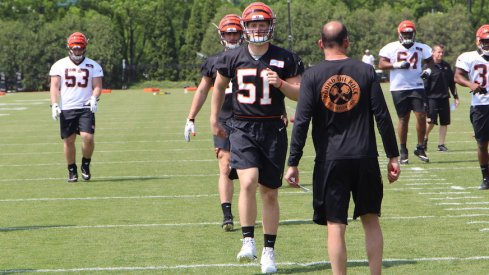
{"x":462,"y":203}
{"x":4,"y":114}
{"x":166,"y":267}
{"x":114,"y":162}
{"x":484,"y":229}
{"x":467,"y":208}
{"x":477,"y":222}
{"x":14,"y":109}
{"x":457,"y":198}
{"x":111,"y":151}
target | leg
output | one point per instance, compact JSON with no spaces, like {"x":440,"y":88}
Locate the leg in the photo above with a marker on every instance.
{"x":248,"y":180}
{"x":226,"y":188}
{"x":374,"y":242}
{"x":482,"y":153}
{"x":402,"y":128}
{"x":271,"y":210}
{"x":69,"y":149}
{"x":442,"y":134}
{"x":429,"y":127}
{"x":88,"y":144}
{"x":420,"y":126}
{"x":337,"y":247}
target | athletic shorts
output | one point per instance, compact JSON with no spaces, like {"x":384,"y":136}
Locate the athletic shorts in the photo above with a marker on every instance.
{"x":409,"y":100}
{"x":439,"y":107}
{"x":479,"y":117}
{"x":223,"y":143}
{"x":76,"y":121}
{"x":334,"y":181}
{"x":261,"y":144}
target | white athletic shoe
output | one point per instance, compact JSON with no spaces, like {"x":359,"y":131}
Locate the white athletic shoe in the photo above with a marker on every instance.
{"x":268,"y":261}
{"x":248,"y":250}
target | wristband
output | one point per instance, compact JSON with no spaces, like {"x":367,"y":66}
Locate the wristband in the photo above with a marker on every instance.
{"x":191,"y":119}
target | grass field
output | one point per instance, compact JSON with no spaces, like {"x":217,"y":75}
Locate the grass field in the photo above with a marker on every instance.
{"x":152,"y":205}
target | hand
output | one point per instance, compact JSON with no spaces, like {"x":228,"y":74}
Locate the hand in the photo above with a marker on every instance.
{"x":92,"y":102}
{"x":393,"y":169}
{"x":292,"y":176}
{"x":55,"y":111}
{"x":274,"y":79}
{"x":218,"y":130}
{"x":401,"y":65}
{"x":479,"y":90}
{"x":189,"y":128}
{"x":426,"y":73}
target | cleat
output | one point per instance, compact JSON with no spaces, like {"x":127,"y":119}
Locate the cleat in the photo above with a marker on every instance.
{"x":85,"y":169}
{"x":420,"y":153}
{"x":442,"y":148}
{"x":227,"y":224}
{"x":72,"y":176}
{"x":248,"y":250}
{"x":267,"y":261}
{"x":484,"y":184}
{"x":404,"y":157}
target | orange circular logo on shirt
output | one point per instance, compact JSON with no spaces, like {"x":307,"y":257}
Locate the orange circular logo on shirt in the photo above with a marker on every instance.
{"x":340,"y":93}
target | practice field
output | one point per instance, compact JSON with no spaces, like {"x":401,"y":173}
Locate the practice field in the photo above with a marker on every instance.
{"x":152,"y":205}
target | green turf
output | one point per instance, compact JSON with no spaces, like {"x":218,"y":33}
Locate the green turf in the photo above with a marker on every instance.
{"x":152,"y":205}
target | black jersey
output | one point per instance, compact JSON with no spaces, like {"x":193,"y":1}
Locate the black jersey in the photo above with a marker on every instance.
{"x":209,"y":69}
{"x":253,"y":97}
{"x":342,"y":98}
{"x":440,"y":80}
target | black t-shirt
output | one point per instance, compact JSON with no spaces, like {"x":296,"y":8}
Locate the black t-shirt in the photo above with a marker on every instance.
{"x":441,"y":79}
{"x":253,"y":97}
{"x":343,"y":98}
{"x":209,"y":69}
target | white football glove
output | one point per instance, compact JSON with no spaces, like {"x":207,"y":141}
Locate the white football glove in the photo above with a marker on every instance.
{"x":92,"y":102}
{"x":401,"y":65}
{"x":55,"y":111}
{"x":426,"y":73}
{"x":189,"y":128}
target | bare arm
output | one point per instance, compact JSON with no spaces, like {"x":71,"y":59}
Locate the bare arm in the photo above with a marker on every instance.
{"x":200,"y":96}
{"x":289,"y":87}
{"x":97,"y":86}
{"x":461,"y":78}
{"x":385,"y":63}
{"x":217,"y":100}
{"x":54,"y":89}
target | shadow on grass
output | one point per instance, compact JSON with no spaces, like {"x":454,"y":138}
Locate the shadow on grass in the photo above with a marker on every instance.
{"x":323,"y":266}
{"x":33,"y":227}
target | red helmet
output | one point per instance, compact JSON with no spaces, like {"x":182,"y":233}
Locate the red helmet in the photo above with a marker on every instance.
{"x":407,"y":32}
{"x":258,"y":11}
{"x":77,"y":40}
{"x":231,"y":23}
{"x":483,"y":34}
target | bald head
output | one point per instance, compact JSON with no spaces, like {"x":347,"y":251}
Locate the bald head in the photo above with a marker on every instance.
{"x":333,"y":34}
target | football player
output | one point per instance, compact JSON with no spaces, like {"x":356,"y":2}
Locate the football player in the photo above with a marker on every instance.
{"x":231,"y":36}
{"x":406,"y":59}
{"x":471,"y":71}
{"x":76,"y":81}
{"x":262,"y":75}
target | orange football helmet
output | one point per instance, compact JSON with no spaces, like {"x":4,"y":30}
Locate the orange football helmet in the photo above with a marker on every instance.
{"x":258,"y":11}
{"x":482,"y":39}
{"x":230,"y":23}
{"x":407,"y":32}
{"x":77,"y":40}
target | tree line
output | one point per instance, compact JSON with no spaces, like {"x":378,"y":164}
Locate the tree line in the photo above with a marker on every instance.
{"x":136,"y":40}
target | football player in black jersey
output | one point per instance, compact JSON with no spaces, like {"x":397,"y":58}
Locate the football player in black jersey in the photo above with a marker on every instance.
{"x":231,"y":35}
{"x":343,"y":98}
{"x":262,"y":75}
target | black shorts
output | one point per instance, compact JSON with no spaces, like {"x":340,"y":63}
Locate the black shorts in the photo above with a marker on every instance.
{"x":439,"y":107}
{"x":409,"y":100}
{"x":76,"y":121}
{"x":223,"y":143}
{"x":261,"y":144}
{"x":333,"y":181}
{"x":479,"y":117}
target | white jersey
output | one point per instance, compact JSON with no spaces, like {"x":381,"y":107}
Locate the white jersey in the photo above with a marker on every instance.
{"x":76,"y":81}
{"x":369,"y":59}
{"x":406,"y":79}
{"x":478,"y":69}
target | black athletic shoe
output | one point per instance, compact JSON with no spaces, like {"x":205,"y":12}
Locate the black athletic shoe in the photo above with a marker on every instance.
{"x":442,"y":148}
{"x":420,"y":153}
{"x":72,"y":176}
{"x":227,"y":224}
{"x":85,"y":169}
{"x":404,"y":157}
{"x":484,"y":184}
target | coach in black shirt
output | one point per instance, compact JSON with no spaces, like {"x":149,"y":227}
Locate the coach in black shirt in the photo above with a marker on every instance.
{"x":343,"y":96}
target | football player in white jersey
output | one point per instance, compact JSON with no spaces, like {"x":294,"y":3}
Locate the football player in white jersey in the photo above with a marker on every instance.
{"x":406,"y":59}
{"x":76,"y":81}
{"x":472,"y":70}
